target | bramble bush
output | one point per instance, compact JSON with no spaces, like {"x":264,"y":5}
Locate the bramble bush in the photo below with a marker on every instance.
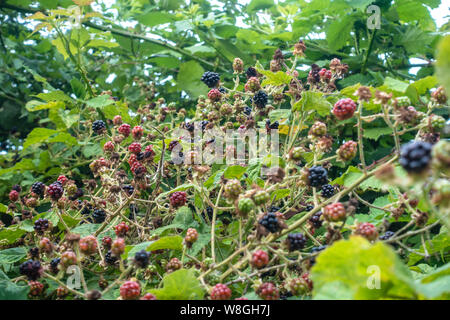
{"x":144,"y":200}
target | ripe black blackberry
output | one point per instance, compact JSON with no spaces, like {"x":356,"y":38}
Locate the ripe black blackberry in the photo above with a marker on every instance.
{"x":54,"y":265}
{"x":387,"y":235}
{"x":315,"y":220}
{"x":140,"y":156}
{"x":222,"y":90}
{"x":98,"y":126}
{"x":260,"y":99}
{"x":211,"y":79}
{"x":315,"y":250}
{"x":31,"y":269}
{"x":41,"y":225}
{"x":129,"y":189}
{"x":17,"y":188}
{"x":415,"y":156}
{"x":296,"y":241}
{"x":38,"y":188}
{"x":34,"y":253}
{"x":270,"y":222}
{"x":273,"y":125}
{"x":309,"y":207}
{"x":247,"y":110}
{"x":274,"y":209}
{"x":317,"y":176}
{"x":110,"y":258}
{"x":99,"y":215}
{"x":327,"y":191}
{"x":251,"y":72}
{"x":141,"y":258}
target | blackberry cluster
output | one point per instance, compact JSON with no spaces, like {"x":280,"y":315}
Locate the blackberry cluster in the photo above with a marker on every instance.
{"x":110,"y":258}
{"x":98,"y":126}
{"x":315,"y":220}
{"x":415,"y":156}
{"x":317,"y":176}
{"x":55,"y":190}
{"x":270,"y":222}
{"x":296,"y":241}
{"x":41,"y":225}
{"x":31,"y":269}
{"x":327,"y":191}
{"x":99,"y":215}
{"x":251,"y":72}
{"x":260,"y":99}
{"x":387,"y":235}
{"x":211,"y":79}
{"x":38,"y":188}
{"x":141,"y":258}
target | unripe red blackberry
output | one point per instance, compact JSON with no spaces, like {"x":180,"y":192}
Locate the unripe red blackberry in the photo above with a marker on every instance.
{"x":318,"y":129}
{"x":36,"y":288}
{"x":88,"y":245}
{"x":261,"y":197}
{"x":344,"y":109}
{"x":268,"y":291}
{"x":232,"y":189}
{"x":55,"y":191}
{"x":334,"y":212}
{"x":45,"y":245}
{"x":214,"y":95}
{"x":260,"y":259}
{"x":62,"y":292}
{"x":238,"y":65}
{"x":137,"y":132}
{"x":191,"y":235}
{"x":252,"y":84}
{"x":148,"y":296}
{"x":178,"y":199}
{"x":124,"y":129}
{"x":347,"y":151}
{"x":367,"y":230}
{"x":325,"y":74}
{"x":220,"y":292}
{"x":138,"y":168}
{"x":135,"y":147}
{"x":108,"y":146}
{"x":62,"y":179}
{"x":130,"y":290}
{"x":13,"y":196}
{"x":68,"y":258}
{"x":118,"y":247}
{"x":173,"y":265}
{"x":117,"y":120}
{"x":121,"y":229}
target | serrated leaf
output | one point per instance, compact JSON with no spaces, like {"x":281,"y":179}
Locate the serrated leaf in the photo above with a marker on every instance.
{"x":169,"y":242}
{"x":57,"y":95}
{"x":313,"y":101}
{"x":376,"y":133}
{"x":12,"y":255}
{"x":180,"y":285}
{"x":443,"y":63}
{"x":234,"y":172}
{"x":100,"y":101}
{"x":11,"y":291}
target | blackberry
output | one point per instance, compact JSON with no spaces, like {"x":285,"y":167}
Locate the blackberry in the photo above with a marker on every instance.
{"x":140,"y":156}
{"x":315,"y":250}
{"x":41,"y":225}
{"x":78,"y":194}
{"x":251,"y":72}
{"x":327,"y":191}
{"x":54,"y":265}
{"x":55,"y":190}
{"x":17,"y":188}
{"x":38,"y":188}
{"x":260,"y":99}
{"x":98,"y":126}
{"x":415,"y":156}
{"x":273,"y":125}
{"x":211,"y":79}
{"x":247,"y":110}
{"x":34,"y":253}
{"x":32,"y":269}
{"x":296,"y":241}
{"x":270,"y":222}
{"x":86,"y":210}
{"x":315,"y":220}
{"x":99,"y":215}
{"x":129,"y":189}
{"x":110,"y":258}
{"x":274,"y":209}
{"x":222,"y":90}
{"x":317,"y":176}
{"x":309,"y":207}
{"x":387,"y":235}
{"x":141,"y":258}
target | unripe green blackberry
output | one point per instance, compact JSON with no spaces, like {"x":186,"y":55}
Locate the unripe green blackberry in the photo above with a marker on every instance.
{"x":347,"y":151}
{"x":252,"y":85}
{"x":261,"y":197}
{"x":299,"y":286}
{"x":318,"y":129}
{"x":191,"y":236}
{"x":434,"y":122}
{"x":441,"y":157}
{"x":245,"y":205}
{"x":296,"y":153}
{"x":402,"y":102}
{"x":232,"y":189}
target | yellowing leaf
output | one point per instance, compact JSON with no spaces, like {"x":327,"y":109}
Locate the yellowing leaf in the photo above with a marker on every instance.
{"x":37,"y":16}
{"x":83,"y":2}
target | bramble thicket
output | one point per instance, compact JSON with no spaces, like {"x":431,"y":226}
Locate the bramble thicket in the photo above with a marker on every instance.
{"x":111,"y":111}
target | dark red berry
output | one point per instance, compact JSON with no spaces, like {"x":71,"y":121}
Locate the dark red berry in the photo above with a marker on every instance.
{"x":220,"y":292}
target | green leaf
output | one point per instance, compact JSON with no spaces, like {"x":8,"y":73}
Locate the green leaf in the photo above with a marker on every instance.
{"x":351,"y":276}
{"x":234,"y":172}
{"x":275,"y":79}
{"x":38,"y":135}
{"x":313,"y":101}
{"x":443,"y":63}
{"x":376,"y":133}
{"x":155,"y":18}
{"x":102,"y":43}
{"x":170,"y":242}
{"x":280,"y":194}
{"x":189,"y":79}
{"x":11,"y":234}
{"x":180,"y":285}
{"x":34,"y":105}
{"x":338,"y":32}
{"x":256,"y":5}
{"x":100,"y":101}
{"x":12,"y":255}
{"x":396,"y":85}
{"x":12,"y":291}
{"x":436,"y":285}
{"x":54,"y":96}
